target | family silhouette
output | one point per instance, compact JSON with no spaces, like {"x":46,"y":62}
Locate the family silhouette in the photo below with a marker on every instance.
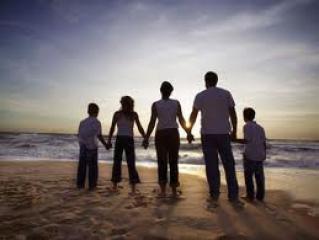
{"x":218,"y":129}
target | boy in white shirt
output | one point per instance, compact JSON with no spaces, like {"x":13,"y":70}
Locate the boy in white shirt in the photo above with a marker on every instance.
{"x":89,"y":132}
{"x":254,"y":155}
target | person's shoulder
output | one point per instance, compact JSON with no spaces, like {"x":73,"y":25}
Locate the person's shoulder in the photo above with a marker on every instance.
{"x":84,"y":120}
{"x":117,"y":113}
{"x":248,"y":125}
{"x":95,"y":120}
{"x":222,"y":90}
{"x":135,"y":114}
{"x":261,"y":128}
{"x":201,"y":93}
{"x":174,"y":101}
{"x":155,"y":103}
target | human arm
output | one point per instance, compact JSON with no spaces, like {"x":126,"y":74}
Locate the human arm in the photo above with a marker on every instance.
{"x":181,"y":118}
{"x":192,"y":120}
{"x":151,"y":126}
{"x":139,"y":126}
{"x":233,"y":118}
{"x":114,"y":120}
{"x":100,"y":137}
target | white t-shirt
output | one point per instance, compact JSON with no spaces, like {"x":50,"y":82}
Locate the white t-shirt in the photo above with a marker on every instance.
{"x":166,"y":113}
{"x":124,"y":126}
{"x":214,"y":104}
{"x":89,"y":129}
{"x":255,"y":136}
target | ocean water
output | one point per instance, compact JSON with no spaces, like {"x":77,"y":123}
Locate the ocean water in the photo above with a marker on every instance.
{"x":23,"y":146}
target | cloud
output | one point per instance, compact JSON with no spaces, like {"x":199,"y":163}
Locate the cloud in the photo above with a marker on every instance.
{"x":79,"y":52}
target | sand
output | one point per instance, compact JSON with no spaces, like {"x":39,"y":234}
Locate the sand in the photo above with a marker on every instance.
{"x":38,"y":200}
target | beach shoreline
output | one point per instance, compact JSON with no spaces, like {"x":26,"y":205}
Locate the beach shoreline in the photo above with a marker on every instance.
{"x":39,"y":201}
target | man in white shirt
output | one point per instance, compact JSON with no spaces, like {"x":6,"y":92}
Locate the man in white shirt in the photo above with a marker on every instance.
{"x":217,"y":106}
{"x":88,"y":134}
{"x":254,"y":155}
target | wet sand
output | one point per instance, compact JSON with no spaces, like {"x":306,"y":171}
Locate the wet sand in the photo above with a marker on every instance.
{"x":38,"y":200}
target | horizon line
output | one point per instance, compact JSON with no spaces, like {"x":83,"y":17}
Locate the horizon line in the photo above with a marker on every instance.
{"x":58,"y":133}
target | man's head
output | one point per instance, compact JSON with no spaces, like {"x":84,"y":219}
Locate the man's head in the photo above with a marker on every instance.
{"x":166,"y":89}
{"x":93,"y":110}
{"x":211,"y":79}
{"x":249,"y":114}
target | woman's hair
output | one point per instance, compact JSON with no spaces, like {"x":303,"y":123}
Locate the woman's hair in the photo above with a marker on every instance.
{"x":166,"y":89}
{"x":127,"y":106}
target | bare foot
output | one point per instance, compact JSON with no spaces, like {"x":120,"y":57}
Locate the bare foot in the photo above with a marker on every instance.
{"x":114,"y":187}
{"x":161,"y":195}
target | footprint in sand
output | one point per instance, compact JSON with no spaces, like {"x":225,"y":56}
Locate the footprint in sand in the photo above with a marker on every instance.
{"x":270,"y":209}
{"x":160,"y":220}
{"x":118,"y":233}
{"x":232,"y":237}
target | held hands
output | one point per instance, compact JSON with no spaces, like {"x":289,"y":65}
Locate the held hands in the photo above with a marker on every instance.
{"x":233,"y":136}
{"x":145,"y":143}
{"x":190,"y":138}
{"x":108,"y":145}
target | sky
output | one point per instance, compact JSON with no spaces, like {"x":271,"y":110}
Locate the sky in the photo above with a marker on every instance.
{"x":57,"y":56}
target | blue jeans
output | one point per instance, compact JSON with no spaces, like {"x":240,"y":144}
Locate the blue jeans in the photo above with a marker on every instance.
{"x":254,"y":168}
{"x":88,"y":159}
{"x":214,"y":144}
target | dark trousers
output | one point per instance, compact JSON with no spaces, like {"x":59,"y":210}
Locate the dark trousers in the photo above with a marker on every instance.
{"x":167,"y":147}
{"x":124,"y":143}
{"x":254,"y":169}
{"x":214,"y":144}
{"x":88,"y":159}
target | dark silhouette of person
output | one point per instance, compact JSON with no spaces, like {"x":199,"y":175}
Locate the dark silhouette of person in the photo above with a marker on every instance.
{"x":254,"y":155}
{"x":124,"y":119}
{"x":167,"y":140}
{"x":88,"y":133}
{"x":217,"y":106}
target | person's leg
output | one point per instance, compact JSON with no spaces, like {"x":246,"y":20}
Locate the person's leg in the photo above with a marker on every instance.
{"x":81,"y":167}
{"x":93,"y":168}
{"x":161,"y":153}
{"x":211,"y":161}
{"x":130,"y":159}
{"x":260,"y":181}
{"x":226,"y":154}
{"x":174,"y":143}
{"x":117,"y":163}
{"x":248,"y":173}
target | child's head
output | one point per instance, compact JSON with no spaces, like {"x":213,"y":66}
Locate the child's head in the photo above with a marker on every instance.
{"x":127,"y":104}
{"x":93,"y":109}
{"x":249,"y":114}
{"x":166,"y":89}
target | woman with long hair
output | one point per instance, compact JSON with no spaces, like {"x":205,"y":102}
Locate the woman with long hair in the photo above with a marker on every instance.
{"x":124,"y":119}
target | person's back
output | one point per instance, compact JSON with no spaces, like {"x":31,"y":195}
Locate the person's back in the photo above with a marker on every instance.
{"x":167,"y":140}
{"x":167,"y":113}
{"x":89,"y":130}
{"x":254,"y":134}
{"x":214,"y":104}
{"x":124,"y":119}
{"x":254,"y":156}
{"x":125,"y":124}
{"x":217,"y":108}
